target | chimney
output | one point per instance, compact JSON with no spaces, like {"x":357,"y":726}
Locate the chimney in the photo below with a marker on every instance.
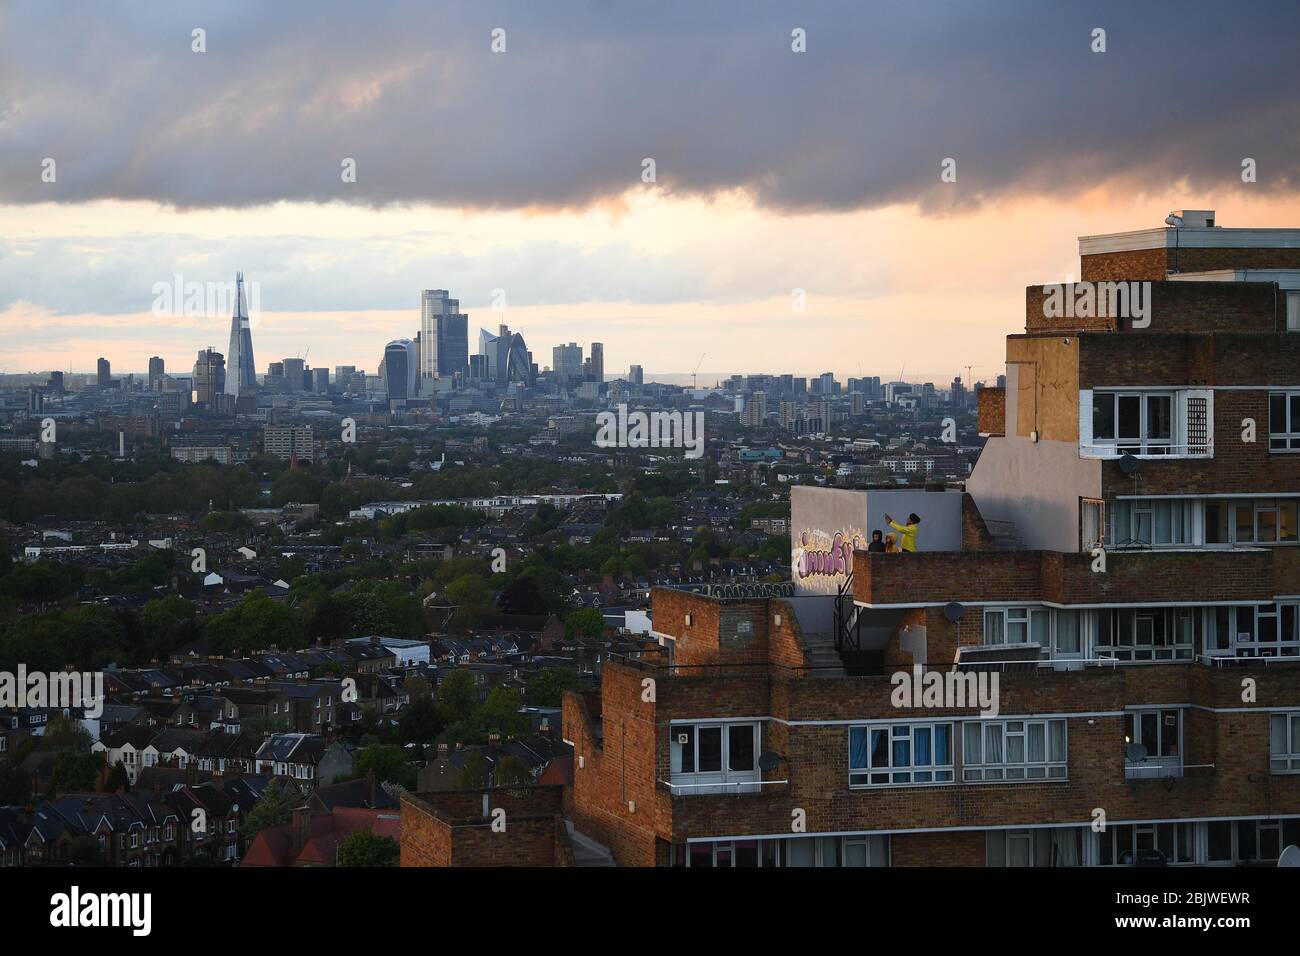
{"x":494,"y":739}
{"x":442,"y":750}
{"x":301,"y":828}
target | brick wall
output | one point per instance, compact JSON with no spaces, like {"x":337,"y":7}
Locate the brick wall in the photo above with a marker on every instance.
{"x":447,"y":828}
{"x":992,"y":411}
{"x":1155,"y":263}
{"x":1174,"y":307}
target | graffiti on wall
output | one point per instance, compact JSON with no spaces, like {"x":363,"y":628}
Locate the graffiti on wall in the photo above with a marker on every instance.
{"x":821,"y":560}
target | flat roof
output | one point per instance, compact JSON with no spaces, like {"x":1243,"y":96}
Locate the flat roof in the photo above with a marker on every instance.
{"x":1167,"y":237}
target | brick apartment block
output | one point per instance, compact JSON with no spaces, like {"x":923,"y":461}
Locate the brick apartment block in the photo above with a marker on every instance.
{"x":1109,"y":607}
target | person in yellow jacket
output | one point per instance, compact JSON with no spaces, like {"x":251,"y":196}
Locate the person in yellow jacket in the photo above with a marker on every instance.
{"x":907,"y":532}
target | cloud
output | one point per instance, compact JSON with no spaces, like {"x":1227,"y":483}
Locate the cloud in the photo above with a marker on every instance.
{"x":586,"y":90}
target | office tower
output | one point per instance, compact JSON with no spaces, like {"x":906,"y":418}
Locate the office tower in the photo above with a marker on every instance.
{"x":156,"y":371}
{"x":209,"y":378}
{"x":598,"y":362}
{"x":506,"y":357}
{"x":636,"y":375}
{"x":401,"y":375}
{"x":56,"y":382}
{"x":1002,"y":381}
{"x":567,"y":362}
{"x":444,"y":336}
{"x":799,"y":386}
{"x":240,"y":373}
{"x":103,"y":373}
{"x":293,"y":373}
{"x":828,"y":384}
{"x":320,"y":380}
{"x":958,"y":393}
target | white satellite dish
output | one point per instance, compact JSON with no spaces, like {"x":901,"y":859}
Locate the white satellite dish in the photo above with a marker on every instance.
{"x":1290,"y":856}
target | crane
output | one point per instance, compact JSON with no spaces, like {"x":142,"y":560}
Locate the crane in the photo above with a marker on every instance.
{"x":697,"y":368}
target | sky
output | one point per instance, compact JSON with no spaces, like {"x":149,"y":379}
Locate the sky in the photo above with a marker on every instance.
{"x":796,"y":221}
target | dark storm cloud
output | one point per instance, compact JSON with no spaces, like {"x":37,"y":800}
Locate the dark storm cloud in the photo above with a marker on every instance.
{"x":710,"y":90}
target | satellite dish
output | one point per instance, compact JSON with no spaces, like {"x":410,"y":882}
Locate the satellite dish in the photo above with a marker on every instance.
{"x":953,"y":611}
{"x":1129,"y":465}
{"x":1290,"y":856}
{"x":1135,"y":753}
{"x":769,"y":760}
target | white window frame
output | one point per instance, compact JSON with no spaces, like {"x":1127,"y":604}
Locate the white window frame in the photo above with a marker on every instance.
{"x":1286,"y":759}
{"x":724,"y":779}
{"x":1287,"y":438}
{"x":1005,"y":770}
{"x":902,"y":775}
{"x":1157,"y":766}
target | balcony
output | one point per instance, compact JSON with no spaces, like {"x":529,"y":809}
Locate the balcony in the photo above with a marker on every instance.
{"x":934,"y":578}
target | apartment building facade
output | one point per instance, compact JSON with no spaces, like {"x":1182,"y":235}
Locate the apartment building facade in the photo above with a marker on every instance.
{"x":1095,"y":661}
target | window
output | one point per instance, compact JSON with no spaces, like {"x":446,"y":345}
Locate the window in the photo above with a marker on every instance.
{"x":1153,"y":523}
{"x":1293,"y":311}
{"x":1147,"y":634}
{"x":1284,"y":742}
{"x":1041,"y":847}
{"x":1017,"y":625}
{"x":1126,"y":844}
{"x":1284,"y":421}
{"x":1092,"y":523}
{"x":1160,"y":733}
{"x":811,"y":851}
{"x":715,"y":757}
{"x":1138,"y":423}
{"x":1013,"y":750}
{"x":900,"y":754}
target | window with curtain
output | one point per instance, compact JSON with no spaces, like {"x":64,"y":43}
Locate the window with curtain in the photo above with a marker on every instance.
{"x":900,"y":754}
{"x":1013,"y":750}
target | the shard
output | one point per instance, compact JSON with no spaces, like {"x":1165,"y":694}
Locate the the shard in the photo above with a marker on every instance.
{"x":239,"y":357}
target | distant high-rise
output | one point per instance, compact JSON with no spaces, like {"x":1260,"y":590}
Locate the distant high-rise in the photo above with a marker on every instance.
{"x":294,"y":372}
{"x":566,"y":360}
{"x":635,"y":375}
{"x":56,"y":382}
{"x":240,"y":374}
{"x":103,"y":373}
{"x":400,"y":372}
{"x":209,"y":377}
{"x":506,"y":357}
{"x":320,"y":380}
{"x":157,"y":369}
{"x":598,"y":362}
{"x":444,"y":336}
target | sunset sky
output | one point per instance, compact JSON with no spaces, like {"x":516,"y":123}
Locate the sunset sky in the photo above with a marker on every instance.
{"x":522,"y":171}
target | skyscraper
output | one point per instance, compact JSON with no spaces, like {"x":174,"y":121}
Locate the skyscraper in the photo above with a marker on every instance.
{"x":240,"y":375}
{"x":400,"y":372}
{"x":103,"y":373}
{"x":598,"y":362}
{"x":209,"y":377}
{"x":444,"y":335}
{"x":636,"y":375}
{"x":156,"y":370}
{"x":567,"y":362}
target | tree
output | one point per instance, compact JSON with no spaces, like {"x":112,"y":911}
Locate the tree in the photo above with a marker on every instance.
{"x":512,"y":772}
{"x":585,"y":625}
{"x":86,"y":851}
{"x":500,"y":712}
{"x":117,"y":779}
{"x":274,"y":809}
{"x":364,"y":848}
{"x":420,"y":722}
{"x":548,"y":687}
{"x":474,"y":775}
{"x":389,"y":764}
{"x":456,"y":696}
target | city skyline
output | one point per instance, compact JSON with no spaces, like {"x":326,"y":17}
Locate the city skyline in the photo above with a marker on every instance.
{"x":839,"y":204}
